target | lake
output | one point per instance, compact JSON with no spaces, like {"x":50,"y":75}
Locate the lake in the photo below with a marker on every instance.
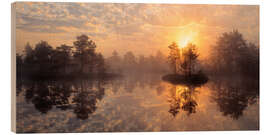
{"x":137,"y":103}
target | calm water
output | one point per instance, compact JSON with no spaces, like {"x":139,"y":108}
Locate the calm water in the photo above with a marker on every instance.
{"x":144,"y":103}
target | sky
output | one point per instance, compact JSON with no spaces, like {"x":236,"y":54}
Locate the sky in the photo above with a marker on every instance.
{"x":140,"y":28}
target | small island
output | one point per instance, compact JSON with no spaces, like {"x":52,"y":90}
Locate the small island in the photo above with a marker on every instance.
{"x":184,"y":64}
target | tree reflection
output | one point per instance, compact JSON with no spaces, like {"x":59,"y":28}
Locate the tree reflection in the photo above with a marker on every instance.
{"x":85,"y":104}
{"x":86,"y":98}
{"x":182,"y":98}
{"x":39,"y":93}
{"x":81,"y":95}
{"x":233,"y":97}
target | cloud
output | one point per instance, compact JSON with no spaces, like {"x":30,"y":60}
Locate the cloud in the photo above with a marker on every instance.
{"x":136,"y":24}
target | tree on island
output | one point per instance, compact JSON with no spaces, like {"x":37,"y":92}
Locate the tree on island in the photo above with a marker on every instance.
{"x":84,"y":52}
{"x":100,"y":64}
{"x":129,"y":61}
{"x":43,"y":56}
{"x":114,"y":62}
{"x":62,"y":56}
{"x":29,"y":54}
{"x":174,"y":57}
{"x":190,"y":55}
{"x":182,"y":62}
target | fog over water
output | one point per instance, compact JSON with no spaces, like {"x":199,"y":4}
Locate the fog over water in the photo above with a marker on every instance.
{"x":136,"y":104}
{"x":145,"y":73}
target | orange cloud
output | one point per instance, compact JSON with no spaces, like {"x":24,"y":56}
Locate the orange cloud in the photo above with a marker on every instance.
{"x":144,"y":28}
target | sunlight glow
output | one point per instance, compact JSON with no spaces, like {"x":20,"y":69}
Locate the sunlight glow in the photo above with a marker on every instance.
{"x":184,"y":41}
{"x":186,"y":38}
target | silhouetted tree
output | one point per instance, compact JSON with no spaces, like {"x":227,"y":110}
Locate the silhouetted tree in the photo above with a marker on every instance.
{"x":61,"y":57}
{"x":174,"y":57}
{"x":43,"y":54}
{"x":115,"y":62}
{"x":29,"y":54}
{"x":84,"y":51}
{"x":141,"y":63}
{"x":46,"y":62}
{"x":160,"y":62}
{"x":232,"y":54}
{"x":137,"y":64}
{"x":129,"y":61}
{"x":100,"y":64}
{"x":189,"y":55}
{"x":19,"y":64}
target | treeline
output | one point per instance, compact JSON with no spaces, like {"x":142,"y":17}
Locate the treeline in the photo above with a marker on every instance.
{"x":130,"y":63}
{"x":233,"y":55}
{"x":43,"y":60}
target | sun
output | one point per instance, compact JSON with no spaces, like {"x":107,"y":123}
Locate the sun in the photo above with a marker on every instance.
{"x":187,"y":37}
{"x":183,"y":41}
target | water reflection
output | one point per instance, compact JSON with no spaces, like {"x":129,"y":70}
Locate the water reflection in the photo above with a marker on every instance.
{"x":86,"y":98}
{"x":182,"y":98}
{"x":233,"y":97}
{"x":143,"y":100}
{"x":46,"y":94}
{"x":135,"y":81}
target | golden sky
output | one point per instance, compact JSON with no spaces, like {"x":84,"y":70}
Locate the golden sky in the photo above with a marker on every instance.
{"x":141,"y":28}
